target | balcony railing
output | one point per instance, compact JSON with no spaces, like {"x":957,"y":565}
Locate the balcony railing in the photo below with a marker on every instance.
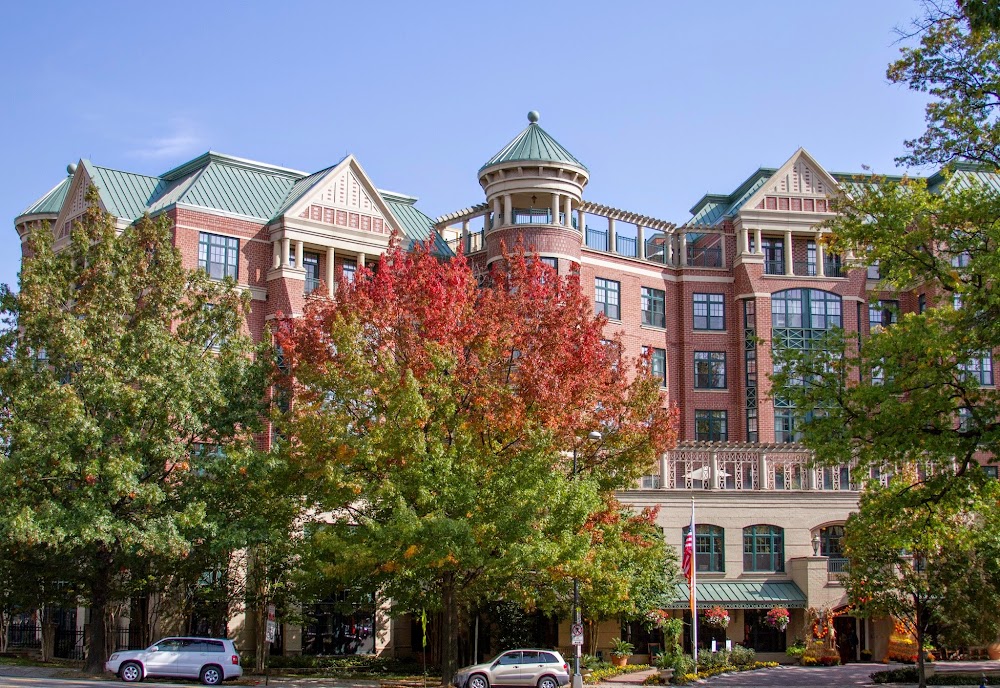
{"x":597,"y":239}
{"x":705,"y":257}
{"x":475,"y":242}
{"x":626,"y":246}
{"x":774,"y":267}
{"x":312,"y":284}
{"x":536,"y":216}
{"x":805,"y":268}
{"x":834,"y":268}
{"x":837,"y":567}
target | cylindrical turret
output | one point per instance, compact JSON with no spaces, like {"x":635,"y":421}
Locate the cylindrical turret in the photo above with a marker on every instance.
{"x":533,"y":186}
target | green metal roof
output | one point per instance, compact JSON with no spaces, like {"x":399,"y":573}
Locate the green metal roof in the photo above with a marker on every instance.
{"x":712,"y":208}
{"x":300,"y":188}
{"x":533,"y":144}
{"x":126,"y":195}
{"x":51,"y":203}
{"x":741,"y":595}
{"x":415,"y":225}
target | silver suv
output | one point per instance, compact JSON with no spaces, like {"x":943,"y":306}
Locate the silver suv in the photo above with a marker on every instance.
{"x":541,"y":668}
{"x":212,"y":660}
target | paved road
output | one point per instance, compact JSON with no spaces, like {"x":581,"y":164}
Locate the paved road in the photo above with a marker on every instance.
{"x":847,"y":675}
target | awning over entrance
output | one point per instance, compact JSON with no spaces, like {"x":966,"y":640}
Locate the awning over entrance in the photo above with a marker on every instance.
{"x":741,"y":596}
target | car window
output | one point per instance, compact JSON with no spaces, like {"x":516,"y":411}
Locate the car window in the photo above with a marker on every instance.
{"x":549,"y":658}
{"x":530,"y":657}
{"x":212,"y":646}
{"x":510,"y":658}
{"x":188,"y":645}
{"x":169,"y":645}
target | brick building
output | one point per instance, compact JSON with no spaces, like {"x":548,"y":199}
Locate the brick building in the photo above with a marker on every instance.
{"x":706,"y":297}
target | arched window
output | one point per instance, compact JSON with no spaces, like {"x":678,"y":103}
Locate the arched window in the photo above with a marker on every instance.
{"x":709,"y":548}
{"x":831,"y":541}
{"x":763,"y":548}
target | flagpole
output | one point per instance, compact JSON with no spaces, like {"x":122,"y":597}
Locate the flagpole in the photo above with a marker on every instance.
{"x":694,"y":590}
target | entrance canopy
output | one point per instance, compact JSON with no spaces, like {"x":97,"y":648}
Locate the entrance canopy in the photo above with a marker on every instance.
{"x":741,"y":596}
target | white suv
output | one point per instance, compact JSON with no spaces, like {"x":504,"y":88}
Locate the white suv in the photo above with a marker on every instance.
{"x":212,"y":660}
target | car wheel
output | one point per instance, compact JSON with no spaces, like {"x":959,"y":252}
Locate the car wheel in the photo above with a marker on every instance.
{"x":547,"y":682}
{"x":211,"y":675}
{"x":477,"y":681}
{"x":130,"y":672}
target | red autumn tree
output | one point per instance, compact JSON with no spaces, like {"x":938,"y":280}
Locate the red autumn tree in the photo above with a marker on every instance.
{"x":437,"y":422}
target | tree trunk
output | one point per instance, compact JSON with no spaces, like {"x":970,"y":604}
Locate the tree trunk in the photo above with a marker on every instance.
{"x":449,"y":629}
{"x":4,"y":624}
{"x":100,"y":602}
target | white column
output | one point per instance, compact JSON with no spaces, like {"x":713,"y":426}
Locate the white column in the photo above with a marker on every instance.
{"x":508,"y":211}
{"x":640,"y":239}
{"x":362,"y":259}
{"x":612,"y":244}
{"x":299,"y":256}
{"x":789,"y":265}
{"x":331,"y":281}
{"x":722,"y":254}
{"x":713,"y":470}
{"x":286,"y":245}
{"x":568,"y":211}
{"x":758,"y":248}
{"x":684,"y":248}
{"x":762,"y":481}
{"x":491,"y":223}
{"x":663,"y":471}
{"x":745,"y":238}
{"x":581,"y":223}
{"x":668,"y":248}
{"x":820,"y":258}
{"x":465,"y":236}
{"x":276,"y":251}
{"x":555,"y":208}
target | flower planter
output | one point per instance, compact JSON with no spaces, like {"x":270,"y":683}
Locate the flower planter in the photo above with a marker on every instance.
{"x":619,"y":661}
{"x":666,"y":675}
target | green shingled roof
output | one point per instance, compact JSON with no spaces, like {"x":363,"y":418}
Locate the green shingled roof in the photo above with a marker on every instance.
{"x":741,"y":595}
{"x":51,"y":203}
{"x":533,"y":144}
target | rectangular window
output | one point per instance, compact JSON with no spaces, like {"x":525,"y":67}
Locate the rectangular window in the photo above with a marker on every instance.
{"x":709,"y":547}
{"x":349,"y":269}
{"x":551,"y":262}
{"x":710,"y":426}
{"x":774,"y":256}
{"x":873,"y":271}
{"x":653,"y":307}
{"x":657,"y":364}
{"x":709,"y":312}
{"x":310,"y":261}
{"x":218,"y":255}
{"x":921,"y":303}
{"x":784,"y":426}
{"x":710,"y":369}
{"x":810,"y":259}
{"x":979,"y":369}
{"x":606,"y":298}
{"x":882,"y":313}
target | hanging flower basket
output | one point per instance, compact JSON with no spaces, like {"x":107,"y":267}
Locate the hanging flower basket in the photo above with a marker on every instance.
{"x":778,"y":618}
{"x":717,"y":617}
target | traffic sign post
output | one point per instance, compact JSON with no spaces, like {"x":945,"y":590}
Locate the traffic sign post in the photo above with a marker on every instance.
{"x":577,"y":634}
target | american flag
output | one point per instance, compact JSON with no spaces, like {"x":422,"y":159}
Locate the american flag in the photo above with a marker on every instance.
{"x":687,"y":563}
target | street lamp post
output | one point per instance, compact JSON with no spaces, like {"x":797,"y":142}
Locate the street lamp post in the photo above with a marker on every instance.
{"x":593,"y":436}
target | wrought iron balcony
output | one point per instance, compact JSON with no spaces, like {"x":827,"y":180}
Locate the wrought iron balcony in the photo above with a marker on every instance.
{"x":774,"y":267}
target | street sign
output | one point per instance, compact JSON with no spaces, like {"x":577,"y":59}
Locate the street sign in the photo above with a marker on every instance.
{"x":272,"y":625}
{"x":577,"y":633}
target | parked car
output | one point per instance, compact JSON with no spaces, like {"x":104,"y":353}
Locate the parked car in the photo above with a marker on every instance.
{"x":211,"y":660}
{"x":541,"y":668}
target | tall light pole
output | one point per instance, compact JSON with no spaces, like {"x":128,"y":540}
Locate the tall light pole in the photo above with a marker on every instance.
{"x":593,"y":436}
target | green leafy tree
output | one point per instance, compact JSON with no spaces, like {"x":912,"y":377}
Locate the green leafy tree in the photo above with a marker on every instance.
{"x":934,"y":562}
{"x":116,"y":363}
{"x":437,"y":423}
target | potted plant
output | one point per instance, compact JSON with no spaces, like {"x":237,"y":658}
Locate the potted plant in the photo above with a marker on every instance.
{"x":621,"y":650}
{"x":717,"y":617}
{"x":778,"y":618}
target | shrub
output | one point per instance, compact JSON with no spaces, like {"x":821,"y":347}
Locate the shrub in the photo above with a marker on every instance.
{"x":742,"y":656}
{"x":621,"y":648}
{"x":822,"y":660}
{"x":797,"y":649}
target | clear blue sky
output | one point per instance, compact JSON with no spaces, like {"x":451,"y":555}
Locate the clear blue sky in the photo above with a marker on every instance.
{"x":663,"y":101}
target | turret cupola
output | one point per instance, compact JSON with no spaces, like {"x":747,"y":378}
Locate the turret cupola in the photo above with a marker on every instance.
{"x":533,"y":185}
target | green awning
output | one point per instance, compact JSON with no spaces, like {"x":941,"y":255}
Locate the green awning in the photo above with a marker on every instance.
{"x":742,"y":596}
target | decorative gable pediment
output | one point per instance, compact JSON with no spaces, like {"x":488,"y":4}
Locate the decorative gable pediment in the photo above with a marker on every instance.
{"x":801,"y":184}
{"x":75,"y":203}
{"x":345,"y":197}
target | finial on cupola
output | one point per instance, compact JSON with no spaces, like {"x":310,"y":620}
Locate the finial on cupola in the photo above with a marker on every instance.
{"x":533,"y":116}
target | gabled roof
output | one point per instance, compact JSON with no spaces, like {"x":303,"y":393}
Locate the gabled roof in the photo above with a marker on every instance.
{"x":51,"y":203}
{"x":534,"y":144}
{"x":712,"y":208}
{"x":125,"y":195}
{"x":963,"y":174}
{"x":300,"y":188}
{"x":417,"y":226}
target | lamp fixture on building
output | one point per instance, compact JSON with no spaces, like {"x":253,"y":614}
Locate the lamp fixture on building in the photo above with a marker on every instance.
{"x":816,"y":545}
